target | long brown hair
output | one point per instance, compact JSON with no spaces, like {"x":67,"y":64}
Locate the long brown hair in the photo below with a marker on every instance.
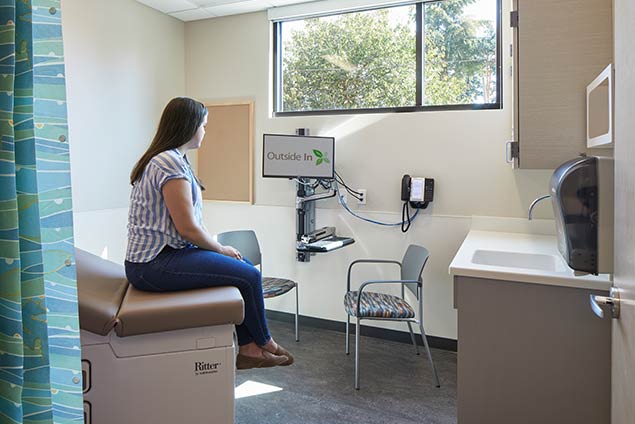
{"x":179,"y":122}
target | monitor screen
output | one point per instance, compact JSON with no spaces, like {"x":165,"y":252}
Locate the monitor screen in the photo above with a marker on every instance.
{"x":290,"y":156}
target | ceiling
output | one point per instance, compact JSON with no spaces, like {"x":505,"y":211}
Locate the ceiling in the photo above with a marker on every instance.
{"x":192,"y":10}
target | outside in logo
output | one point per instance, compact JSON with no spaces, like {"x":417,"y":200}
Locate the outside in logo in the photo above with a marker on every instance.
{"x":321,"y":157}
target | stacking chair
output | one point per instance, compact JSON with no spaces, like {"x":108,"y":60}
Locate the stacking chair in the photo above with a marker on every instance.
{"x":365,"y":304}
{"x":247,"y":244}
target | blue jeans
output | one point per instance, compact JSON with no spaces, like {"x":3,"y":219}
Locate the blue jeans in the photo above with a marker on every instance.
{"x":193,"y":268}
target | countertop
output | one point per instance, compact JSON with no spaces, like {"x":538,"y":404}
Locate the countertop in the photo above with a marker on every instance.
{"x":502,"y":245}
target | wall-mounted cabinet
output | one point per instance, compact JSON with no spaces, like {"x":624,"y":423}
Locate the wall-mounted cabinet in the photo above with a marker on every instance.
{"x":559,"y":47}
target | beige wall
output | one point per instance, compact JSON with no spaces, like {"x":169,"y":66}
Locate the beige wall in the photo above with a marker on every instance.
{"x":124,"y":61}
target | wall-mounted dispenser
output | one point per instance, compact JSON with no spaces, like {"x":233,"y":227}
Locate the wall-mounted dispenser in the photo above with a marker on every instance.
{"x":582,"y":197}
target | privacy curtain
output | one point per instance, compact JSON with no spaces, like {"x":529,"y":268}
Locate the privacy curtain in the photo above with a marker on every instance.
{"x":40,"y":357}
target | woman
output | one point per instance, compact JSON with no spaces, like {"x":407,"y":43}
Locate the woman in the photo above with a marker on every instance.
{"x":170,"y":249}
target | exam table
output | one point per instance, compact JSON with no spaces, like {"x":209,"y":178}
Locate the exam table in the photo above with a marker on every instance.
{"x":160,"y":358}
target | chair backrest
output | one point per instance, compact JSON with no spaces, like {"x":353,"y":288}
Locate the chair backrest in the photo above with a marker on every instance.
{"x":245,"y":241}
{"x":412,"y":264}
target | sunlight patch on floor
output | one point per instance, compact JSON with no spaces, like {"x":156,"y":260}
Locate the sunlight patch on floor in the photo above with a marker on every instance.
{"x":253,"y":388}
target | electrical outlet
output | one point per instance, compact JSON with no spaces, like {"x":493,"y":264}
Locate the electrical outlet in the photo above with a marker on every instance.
{"x":362,"y":196}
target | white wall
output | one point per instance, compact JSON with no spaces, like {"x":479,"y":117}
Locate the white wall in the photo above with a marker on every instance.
{"x":323,"y":280}
{"x":124,"y":61}
{"x":229,"y":58}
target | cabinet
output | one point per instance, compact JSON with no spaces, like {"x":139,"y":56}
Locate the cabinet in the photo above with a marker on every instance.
{"x":559,"y":47}
{"x":531,"y":353}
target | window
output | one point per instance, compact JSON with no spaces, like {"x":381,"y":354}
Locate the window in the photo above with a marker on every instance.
{"x":426,"y":56}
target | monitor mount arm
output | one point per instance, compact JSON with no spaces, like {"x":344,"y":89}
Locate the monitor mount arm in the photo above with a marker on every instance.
{"x":300,"y":201}
{"x":305,"y":212}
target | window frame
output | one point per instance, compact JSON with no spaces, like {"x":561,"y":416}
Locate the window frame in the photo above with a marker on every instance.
{"x":418,"y":107}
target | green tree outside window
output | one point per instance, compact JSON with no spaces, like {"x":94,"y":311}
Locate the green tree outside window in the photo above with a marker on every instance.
{"x":368,"y":59}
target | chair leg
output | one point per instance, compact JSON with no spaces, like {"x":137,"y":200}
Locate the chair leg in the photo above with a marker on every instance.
{"x":297,"y":314}
{"x":348,"y":332}
{"x":412,"y":337}
{"x":357,"y":331}
{"x":425,"y":342}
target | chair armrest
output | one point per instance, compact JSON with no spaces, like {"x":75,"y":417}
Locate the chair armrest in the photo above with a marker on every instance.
{"x":370,"y":261}
{"x":366,"y":261}
{"x":367,"y":283}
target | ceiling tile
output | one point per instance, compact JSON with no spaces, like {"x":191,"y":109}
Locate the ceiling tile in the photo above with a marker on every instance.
{"x":238,"y":8}
{"x":277,"y":3}
{"x":191,"y":10}
{"x":192,"y":15}
{"x":213,"y":3}
{"x":169,"y":6}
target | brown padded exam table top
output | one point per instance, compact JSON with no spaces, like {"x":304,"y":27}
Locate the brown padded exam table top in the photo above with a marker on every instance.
{"x":107,"y":301}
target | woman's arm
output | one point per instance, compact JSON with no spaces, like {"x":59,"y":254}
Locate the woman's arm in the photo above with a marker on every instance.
{"x":178,"y":198}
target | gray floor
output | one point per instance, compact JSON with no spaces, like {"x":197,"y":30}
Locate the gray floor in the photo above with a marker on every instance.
{"x":396,"y":385}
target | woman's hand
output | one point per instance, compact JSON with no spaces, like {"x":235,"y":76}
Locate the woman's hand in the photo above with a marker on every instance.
{"x":231,"y":252}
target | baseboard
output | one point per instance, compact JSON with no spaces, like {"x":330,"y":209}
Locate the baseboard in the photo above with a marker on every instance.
{"x":379,"y":333}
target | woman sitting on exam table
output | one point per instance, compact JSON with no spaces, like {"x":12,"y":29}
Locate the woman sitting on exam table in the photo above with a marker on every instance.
{"x":170,"y":249}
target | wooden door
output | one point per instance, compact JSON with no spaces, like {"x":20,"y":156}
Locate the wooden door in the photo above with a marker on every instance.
{"x":623,"y":367}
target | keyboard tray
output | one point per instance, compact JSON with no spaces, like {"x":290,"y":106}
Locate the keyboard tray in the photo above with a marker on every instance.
{"x":326,"y":245}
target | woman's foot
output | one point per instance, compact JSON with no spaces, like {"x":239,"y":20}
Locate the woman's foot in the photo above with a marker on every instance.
{"x":271,"y":346}
{"x":276,"y":349}
{"x":266,"y":360}
{"x":252,"y":356}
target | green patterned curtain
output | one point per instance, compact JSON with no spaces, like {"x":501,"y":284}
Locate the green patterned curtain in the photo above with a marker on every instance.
{"x":40,"y":356}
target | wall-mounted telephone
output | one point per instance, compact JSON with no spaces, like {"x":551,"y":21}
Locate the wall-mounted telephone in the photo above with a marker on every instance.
{"x":416,"y":193}
{"x":419,"y":192}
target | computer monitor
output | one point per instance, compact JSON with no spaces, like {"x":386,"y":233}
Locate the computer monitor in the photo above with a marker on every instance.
{"x":292,"y":156}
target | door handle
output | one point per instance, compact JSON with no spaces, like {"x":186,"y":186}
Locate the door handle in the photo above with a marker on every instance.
{"x":512,"y":152}
{"x":509,"y":157}
{"x":612,"y":301}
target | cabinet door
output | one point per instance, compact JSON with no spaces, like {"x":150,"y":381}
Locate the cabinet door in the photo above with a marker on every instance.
{"x":560,"y":46}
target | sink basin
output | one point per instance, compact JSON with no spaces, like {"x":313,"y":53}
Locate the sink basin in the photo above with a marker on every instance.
{"x":536,"y":261}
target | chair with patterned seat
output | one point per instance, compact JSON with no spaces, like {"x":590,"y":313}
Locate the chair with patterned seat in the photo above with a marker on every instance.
{"x":382,"y":306}
{"x":247,"y":244}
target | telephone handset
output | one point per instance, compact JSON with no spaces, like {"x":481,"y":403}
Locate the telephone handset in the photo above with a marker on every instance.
{"x":405,"y":188}
{"x":419,"y":192}
{"x":416,"y":193}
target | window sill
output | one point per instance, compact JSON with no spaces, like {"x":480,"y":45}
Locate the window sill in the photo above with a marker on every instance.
{"x":487,"y":106}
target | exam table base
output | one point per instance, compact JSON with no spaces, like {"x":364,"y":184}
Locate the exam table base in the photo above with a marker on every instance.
{"x":183,"y":376}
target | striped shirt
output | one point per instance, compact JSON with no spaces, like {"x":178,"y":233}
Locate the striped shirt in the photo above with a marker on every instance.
{"x":150,"y":227}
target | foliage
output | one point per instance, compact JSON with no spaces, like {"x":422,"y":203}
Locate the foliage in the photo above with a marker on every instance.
{"x":460,"y":65}
{"x":357,"y":60}
{"x":368,"y":60}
